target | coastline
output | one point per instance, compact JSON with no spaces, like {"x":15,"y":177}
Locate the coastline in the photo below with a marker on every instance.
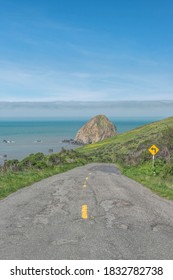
{"x":18,"y":139}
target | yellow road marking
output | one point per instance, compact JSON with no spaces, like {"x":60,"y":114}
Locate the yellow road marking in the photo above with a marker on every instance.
{"x":84,"y":185}
{"x":84,"y":211}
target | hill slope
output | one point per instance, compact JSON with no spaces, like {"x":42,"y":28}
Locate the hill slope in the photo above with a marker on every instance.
{"x":129,"y":151}
{"x":132,"y":147}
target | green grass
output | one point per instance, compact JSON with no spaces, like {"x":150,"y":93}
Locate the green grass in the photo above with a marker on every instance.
{"x":149,"y":133}
{"x":12,"y":181}
{"x":155,"y":182}
{"x":129,"y":151}
{"x":18,"y":174}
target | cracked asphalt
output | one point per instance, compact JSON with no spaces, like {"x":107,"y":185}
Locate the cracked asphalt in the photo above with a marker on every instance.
{"x":124,"y":219}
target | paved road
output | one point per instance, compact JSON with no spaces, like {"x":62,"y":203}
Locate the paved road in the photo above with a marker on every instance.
{"x":121,"y":218}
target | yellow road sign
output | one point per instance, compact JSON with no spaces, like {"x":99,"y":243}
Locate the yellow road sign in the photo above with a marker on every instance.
{"x":153,"y":150}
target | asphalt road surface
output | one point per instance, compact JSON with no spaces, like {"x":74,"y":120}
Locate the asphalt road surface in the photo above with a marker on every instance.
{"x":90,"y":212}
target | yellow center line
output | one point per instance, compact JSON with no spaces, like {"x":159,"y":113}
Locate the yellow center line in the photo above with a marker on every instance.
{"x":85,"y":211}
{"x":85,"y":183}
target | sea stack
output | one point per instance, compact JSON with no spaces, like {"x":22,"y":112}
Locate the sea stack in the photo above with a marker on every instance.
{"x":96,"y":129}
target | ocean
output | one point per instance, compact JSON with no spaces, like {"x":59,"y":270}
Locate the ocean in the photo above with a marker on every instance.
{"x":18,"y":139}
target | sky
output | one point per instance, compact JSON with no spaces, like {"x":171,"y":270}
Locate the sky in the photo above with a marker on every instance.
{"x":89,"y":50}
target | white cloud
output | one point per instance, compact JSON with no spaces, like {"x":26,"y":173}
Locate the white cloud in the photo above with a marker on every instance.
{"x":33,"y":82}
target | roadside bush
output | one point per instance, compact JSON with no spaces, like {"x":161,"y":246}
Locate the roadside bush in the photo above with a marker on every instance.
{"x":37,"y":160}
{"x":11,"y":165}
{"x":168,"y":169}
{"x":54,"y":159}
{"x":41,"y":165}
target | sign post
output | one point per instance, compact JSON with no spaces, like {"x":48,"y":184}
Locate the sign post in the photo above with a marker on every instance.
{"x":153,"y":150}
{"x":153,"y":161}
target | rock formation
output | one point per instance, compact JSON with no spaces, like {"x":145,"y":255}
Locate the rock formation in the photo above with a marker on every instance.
{"x":96,"y":129}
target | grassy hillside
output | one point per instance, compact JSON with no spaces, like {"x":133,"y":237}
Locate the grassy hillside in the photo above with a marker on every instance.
{"x":132,"y":146}
{"x":129,"y":151}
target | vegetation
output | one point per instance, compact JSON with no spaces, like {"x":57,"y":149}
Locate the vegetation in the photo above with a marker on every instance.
{"x":17,"y":174}
{"x":158,"y":179}
{"x":129,"y":151}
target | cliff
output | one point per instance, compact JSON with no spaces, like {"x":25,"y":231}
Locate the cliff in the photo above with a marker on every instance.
{"x":96,"y":129}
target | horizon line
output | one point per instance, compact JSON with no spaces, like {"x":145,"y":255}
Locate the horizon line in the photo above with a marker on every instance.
{"x":90,"y":101}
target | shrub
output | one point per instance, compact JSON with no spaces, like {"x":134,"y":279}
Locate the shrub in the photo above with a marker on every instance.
{"x":11,"y":165}
{"x":54,"y":159}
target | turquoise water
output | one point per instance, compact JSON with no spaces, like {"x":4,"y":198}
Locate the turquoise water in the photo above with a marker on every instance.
{"x":26,"y":137}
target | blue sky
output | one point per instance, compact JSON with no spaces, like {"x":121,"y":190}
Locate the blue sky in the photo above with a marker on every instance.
{"x":86,"y":50}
